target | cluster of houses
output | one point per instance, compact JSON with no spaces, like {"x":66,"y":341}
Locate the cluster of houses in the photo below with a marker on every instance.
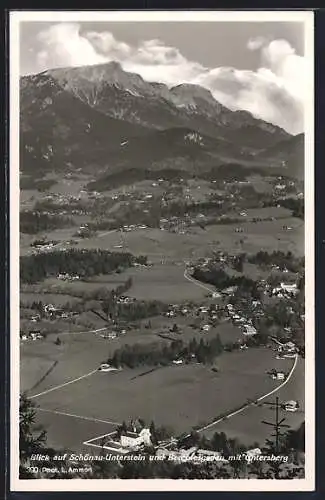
{"x":51,"y":311}
{"x":175,"y":224}
{"x":32,"y":335}
{"x":109,"y":335}
{"x":208,"y":313}
{"x":133,"y":227}
{"x":240,"y":320}
{"x":136,"y":440}
{"x":285,"y":290}
{"x":112,"y":334}
{"x":178,"y":309}
{"x":56,"y":312}
{"x":62,"y":199}
{"x":45,"y":246}
{"x":171,"y":451}
{"x":125,"y":299}
{"x":285,"y":350}
{"x":68,"y":277}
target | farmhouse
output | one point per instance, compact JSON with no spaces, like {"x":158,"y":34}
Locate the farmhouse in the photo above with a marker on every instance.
{"x":67,"y":276}
{"x":249,"y":330}
{"x":133,"y":440}
{"x":288,"y":349}
{"x":123,"y":299}
{"x":278,"y":375}
{"x":109,"y":335}
{"x":291,"y":405}
{"x":48,"y":308}
{"x":35,"y":334}
{"x":35,"y":317}
{"x":291,"y":288}
{"x":230,"y":290}
{"x":290,"y":346}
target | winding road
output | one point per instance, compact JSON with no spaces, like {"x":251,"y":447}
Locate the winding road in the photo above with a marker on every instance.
{"x":211,"y":424}
{"x":198,"y":283}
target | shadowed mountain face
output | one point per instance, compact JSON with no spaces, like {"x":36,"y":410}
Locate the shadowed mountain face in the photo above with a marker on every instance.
{"x":288,"y":154}
{"x":103,"y":119}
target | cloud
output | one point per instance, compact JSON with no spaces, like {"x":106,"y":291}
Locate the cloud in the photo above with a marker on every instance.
{"x":275,"y":92}
{"x":256,"y":43}
{"x":289,"y":67}
{"x":62,"y":46}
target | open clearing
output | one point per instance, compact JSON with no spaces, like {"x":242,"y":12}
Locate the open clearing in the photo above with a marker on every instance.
{"x":176,"y":396}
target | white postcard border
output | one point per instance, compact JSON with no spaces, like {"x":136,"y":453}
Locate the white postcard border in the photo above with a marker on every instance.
{"x":16,"y":484}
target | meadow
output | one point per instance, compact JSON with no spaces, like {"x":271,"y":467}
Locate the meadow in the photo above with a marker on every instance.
{"x":248,"y":426}
{"x":178,"y":397}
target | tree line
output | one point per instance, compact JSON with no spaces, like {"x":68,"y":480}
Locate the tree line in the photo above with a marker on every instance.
{"x":297,"y":206}
{"x":36,"y":222}
{"x":216,"y":276}
{"x":84,"y":263}
{"x":156,"y":354}
{"x":284,"y":260}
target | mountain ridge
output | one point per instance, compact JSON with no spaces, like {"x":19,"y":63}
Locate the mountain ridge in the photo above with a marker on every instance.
{"x":92,"y":84}
{"x":78,"y":118}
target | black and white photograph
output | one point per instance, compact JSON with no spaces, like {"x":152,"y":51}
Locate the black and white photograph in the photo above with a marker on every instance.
{"x":161,"y":218}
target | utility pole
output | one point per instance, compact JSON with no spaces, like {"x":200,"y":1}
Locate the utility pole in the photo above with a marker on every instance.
{"x":277,"y":425}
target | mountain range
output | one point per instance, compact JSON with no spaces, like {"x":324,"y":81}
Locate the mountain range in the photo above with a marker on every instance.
{"x":103,"y":120}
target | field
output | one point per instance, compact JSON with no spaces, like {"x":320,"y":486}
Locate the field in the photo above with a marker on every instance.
{"x":78,"y":354}
{"x":166,"y":395}
{"x":58,"y":299}
{"x":160,"y":282}
{"x":164,"y":246}
{"x":248,"y":427}
{"x":82,"y":352}
{"x":75,"y":287}
{"x":163,"y":282}
{"x":67,"y":433}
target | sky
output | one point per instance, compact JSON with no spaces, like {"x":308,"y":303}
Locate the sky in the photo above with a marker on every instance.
{"x":255,"y":66}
